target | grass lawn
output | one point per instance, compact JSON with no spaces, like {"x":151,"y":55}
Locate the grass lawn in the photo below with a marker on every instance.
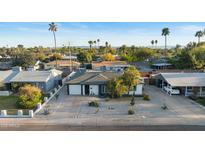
{"x":201,"y":101}
{"x":9,"y":103}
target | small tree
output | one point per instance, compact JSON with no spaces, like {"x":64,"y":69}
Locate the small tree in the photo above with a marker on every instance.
{"x":29,"y":96}
{"x":84,"y":57}
{"x":116,"y":87}
{"x":131,"y":78}
{"x":108,"y":57}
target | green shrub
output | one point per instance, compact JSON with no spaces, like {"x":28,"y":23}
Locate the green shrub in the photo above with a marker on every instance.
{"x":93,"y":104}
{"x":146,"y":97}
{"x":29,"y":97}
{"x":131,"y":112}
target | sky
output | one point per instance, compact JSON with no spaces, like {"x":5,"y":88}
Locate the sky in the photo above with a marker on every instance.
{"x":32,"y":34}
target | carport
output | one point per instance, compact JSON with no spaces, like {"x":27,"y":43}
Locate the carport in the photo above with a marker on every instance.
{"x":187,"y":83}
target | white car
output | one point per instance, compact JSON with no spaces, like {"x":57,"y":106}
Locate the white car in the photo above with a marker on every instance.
{"x":172,"y":91}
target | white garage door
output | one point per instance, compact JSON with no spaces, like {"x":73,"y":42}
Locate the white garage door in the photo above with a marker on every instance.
{"x":75,"y":89}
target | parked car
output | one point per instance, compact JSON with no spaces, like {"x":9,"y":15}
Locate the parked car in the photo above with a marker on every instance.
{"x":172,"y":91}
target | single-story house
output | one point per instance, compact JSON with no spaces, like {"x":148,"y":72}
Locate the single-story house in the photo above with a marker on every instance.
{"x":6,"y":63}
{"x":5,"y":77}
{"x":94,"y":83}
{"x":62,"y":64}
{"x":161,"y":63}
{"x":45,"y":80}
{"x":110,"y":66}
{"x":68,"y":57}
{"x":187,"y":83}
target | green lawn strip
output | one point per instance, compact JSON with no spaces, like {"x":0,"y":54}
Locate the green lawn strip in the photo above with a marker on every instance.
{"x":9,"y":103}
{"x":201,"y":101}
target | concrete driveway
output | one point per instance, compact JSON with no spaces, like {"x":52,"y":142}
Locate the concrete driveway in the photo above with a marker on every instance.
{"x":73,"y":111}
{"x":181,"y":110}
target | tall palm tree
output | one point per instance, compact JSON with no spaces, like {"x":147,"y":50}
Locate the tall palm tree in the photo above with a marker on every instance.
{"x":165,"y":32}
{"x":95,"y":43}
{"x":53,"y":29}
{"x":199,"y":34}
{"x":98,"y":40}
{"x":156,"y":43}
{"x":152,"y":42}
{"x":90,"y":43}
{"x":106,"y":45}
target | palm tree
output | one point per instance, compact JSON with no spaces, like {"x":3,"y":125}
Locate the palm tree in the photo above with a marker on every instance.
{"x":98,"y":40}
{"x":95,"y":43}
{"x":106,"y":45}
{"x":152,"y":42}
{"x":53,"y":28}
{"x":90,"y":43}
{"x":165,"y":32}
{"x":199,"y":34}
{"x":156,"y":43}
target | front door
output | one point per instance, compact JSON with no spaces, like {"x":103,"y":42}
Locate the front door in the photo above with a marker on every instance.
{"x":87,"y":89}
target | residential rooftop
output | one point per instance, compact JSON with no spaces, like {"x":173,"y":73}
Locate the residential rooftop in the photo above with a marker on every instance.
{"x":35,"y":76}
{"x":109,"y":63}
{"x":6,"y":76}
{"x":184,"y":79}
{"x":63,"y":63}
{"x":93,"y":77}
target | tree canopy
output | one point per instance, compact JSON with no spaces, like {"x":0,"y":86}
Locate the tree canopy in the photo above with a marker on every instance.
{"x":29,"y":96}
{"x":125,"y":83}
{"x":108,"y":57}
{"x":131,"y":78}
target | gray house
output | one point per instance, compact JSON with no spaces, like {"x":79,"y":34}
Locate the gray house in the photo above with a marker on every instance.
{"x":45,"y":80}
{"x":94,"y":83}
{"x":15,"y":78}
{"x":5,"y":85}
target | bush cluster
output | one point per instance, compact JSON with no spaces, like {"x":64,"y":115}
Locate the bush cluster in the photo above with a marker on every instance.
{"x":131,"y":112}
{"x":93,"y":104}
{"x":146,"y":97}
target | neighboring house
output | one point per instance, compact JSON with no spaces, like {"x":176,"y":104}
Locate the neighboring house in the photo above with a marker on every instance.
{"x":62,"y":64}
{"x":161,"y":63}
{"x":5,"y":78}
{"x":110,"y":66}
{"x":45,"y":80}
{"x":6,"y":63}
{"x":187,"y":83}
{"x":94,"y":83}
{"x":68,"y":57}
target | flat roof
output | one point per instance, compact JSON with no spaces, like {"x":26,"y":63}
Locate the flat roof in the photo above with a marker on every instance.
{"x":35,"y":76}
{"x":161,"y":64}
{"x":109,"y":63}
{"x":63,"y":63}
{"x":185,"y":79}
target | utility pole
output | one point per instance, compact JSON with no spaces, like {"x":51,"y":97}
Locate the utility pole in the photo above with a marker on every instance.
{"x":70,"y":56}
